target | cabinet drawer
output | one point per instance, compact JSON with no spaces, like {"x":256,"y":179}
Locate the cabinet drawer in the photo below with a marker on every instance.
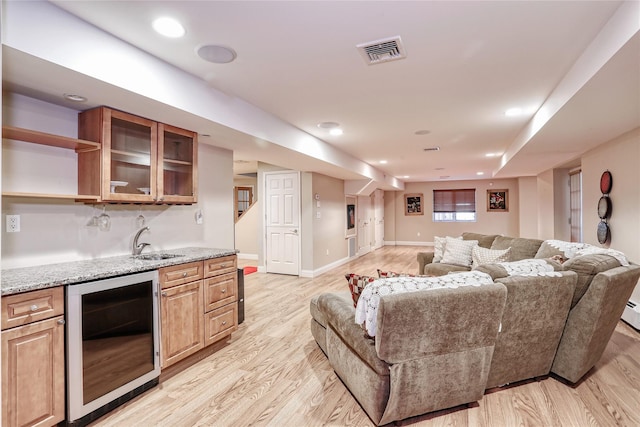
{"x":220,"y":290}
{"x":180,"y":274}
{"x":20,"y":309}
{"x":220,"y":323}
{"x":223,"y":265}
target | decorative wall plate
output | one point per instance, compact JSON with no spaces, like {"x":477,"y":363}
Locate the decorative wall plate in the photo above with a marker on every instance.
{"x":604,"y":207}
{"x":606,"y":182}
{"x":604,"y":234}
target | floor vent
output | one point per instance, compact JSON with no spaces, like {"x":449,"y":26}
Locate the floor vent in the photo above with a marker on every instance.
{"x":383,"y":50}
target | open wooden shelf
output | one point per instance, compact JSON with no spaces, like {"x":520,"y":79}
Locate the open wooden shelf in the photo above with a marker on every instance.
{"x":42,"y":138}
{"x":76,"y":197}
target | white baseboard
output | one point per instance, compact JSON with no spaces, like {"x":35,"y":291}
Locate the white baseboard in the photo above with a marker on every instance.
{"x":407,"y":243}
{"x":325,"y":268}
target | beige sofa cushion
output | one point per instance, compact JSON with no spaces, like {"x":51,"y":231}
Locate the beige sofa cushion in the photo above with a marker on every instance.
{"x":587,"y":267}
{"x":521,"y":248}
{"x":484,"y":240}
{"x":480,"y":256}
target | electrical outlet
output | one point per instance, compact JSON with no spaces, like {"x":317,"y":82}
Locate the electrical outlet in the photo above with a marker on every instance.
{"x":13,"y":223}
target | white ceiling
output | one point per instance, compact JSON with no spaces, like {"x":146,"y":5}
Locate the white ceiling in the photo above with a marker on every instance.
{"x":467,"y":62}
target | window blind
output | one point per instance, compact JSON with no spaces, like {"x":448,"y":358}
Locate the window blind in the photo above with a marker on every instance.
{"x":454,"y":200}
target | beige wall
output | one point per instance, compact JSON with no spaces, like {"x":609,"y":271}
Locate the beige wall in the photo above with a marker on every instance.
{"x":420,"y":229}
{"x":54,"y":231}
{"x":528,"y":204}
{"x":622,"y":157}
{"x":546,"y":215}
{"x":329,"y":243}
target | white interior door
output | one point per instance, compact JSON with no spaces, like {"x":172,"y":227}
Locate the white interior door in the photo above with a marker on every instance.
{"x":364,"y":214}
{"x":282,"y":217}
{"x":378,"y":218}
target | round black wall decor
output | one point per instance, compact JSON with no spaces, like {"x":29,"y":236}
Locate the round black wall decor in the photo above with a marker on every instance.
{"x":604,"y":207}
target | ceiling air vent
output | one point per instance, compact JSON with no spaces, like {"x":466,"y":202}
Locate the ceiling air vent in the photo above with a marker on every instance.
{"x":383,"y":50}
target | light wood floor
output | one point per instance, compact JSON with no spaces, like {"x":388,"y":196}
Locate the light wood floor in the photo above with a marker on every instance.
{"x":272,"y":373}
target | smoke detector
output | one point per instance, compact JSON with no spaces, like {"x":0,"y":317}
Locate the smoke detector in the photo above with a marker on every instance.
{"x":383,"y":50}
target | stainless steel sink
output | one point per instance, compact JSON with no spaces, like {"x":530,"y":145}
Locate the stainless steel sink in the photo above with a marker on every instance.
{"x":156,"y":257}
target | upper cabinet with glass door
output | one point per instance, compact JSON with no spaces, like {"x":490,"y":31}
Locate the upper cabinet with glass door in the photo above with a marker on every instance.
{"x":141,"y":161}
{"x":178,"y":169}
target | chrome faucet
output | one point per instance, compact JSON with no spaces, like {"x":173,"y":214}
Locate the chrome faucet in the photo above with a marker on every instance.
{"x":138,"y":247}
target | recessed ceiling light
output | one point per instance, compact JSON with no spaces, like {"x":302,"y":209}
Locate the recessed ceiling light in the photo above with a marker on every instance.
{"x":405,"y":177}
{"x":512,"y":112}
{"x":335,"y":131}
{"x":74,"y":97}
{"x":168,"y":27}
{"x":216,"y":54}
{"x":328,"y":125}
{"x":383,"y":162}
{"x":422,"y":132}
{"x":492,"y":154}
{"x":479,"y":173}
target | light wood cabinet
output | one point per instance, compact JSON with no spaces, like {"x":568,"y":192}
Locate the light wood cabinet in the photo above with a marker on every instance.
{"x":33,"y":387}
{"x":198,"y":306}
{"x":181,"y":312}
{"x":220,"y":298}
{"x":141,"y":161}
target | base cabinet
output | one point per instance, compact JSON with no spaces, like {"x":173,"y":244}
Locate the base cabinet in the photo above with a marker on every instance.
{"x":198,"y":306}
{"x":181,"y":322}
{"x":33,"y":389}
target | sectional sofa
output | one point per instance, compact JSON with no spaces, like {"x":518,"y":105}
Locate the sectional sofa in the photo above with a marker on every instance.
{"x":444,"y":347}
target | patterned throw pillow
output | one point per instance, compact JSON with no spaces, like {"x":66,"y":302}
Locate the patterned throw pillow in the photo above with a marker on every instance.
{"x":382,"y":274}
{"x":458,"y":252}
{"x":357,"y":284}
{"x":439,"y":244}
{"x":480,"y":255}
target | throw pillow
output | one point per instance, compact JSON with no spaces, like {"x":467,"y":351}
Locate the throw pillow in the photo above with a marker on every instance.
{"x":356,"y":284}
{"x":383,"y":274}
{"x":480,"y":255}
{"x":458,"y":252}
{"x":439,"y":244}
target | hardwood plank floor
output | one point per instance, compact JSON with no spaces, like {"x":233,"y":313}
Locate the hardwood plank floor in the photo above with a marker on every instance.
{"x":272,"y":373}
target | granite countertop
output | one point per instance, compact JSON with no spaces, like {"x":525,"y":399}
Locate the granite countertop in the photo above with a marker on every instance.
{"x":18,"y":280}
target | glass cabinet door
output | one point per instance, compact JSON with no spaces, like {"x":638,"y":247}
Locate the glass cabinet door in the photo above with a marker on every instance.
{"x":177,"y":154}
{"x":130,"y":153}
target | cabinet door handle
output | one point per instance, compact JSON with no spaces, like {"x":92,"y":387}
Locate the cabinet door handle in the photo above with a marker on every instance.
{"x":61,"y":322}
{"x":184,"y":274}
{"x":224,"y":322}
{"x":34,"y":307}
{"x":223,"y":291}
{"x":164,"y":294}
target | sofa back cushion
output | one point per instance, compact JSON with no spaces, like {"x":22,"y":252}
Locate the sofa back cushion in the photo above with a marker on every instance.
{"x":521,"y":248}
{"x":484,"y":240}
{"x":587,"y":267}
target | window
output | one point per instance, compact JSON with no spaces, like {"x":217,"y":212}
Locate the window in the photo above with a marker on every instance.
{"x":575,"y":205}
{"x":244,"y":198}
{"x":454,"y":205}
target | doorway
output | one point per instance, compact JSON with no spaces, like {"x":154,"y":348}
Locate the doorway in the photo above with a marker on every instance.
{"x":282,"y":222}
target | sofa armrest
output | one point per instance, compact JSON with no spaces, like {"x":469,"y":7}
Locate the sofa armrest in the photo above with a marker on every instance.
{"x":592,"y":321}
{"x":439,"y":321}
{"x":424,"y":258}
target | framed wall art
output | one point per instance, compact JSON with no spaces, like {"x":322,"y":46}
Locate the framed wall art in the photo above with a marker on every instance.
{"x":497,"y":200}
{"x":350,"y":202}
{"x":413,"y":204}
